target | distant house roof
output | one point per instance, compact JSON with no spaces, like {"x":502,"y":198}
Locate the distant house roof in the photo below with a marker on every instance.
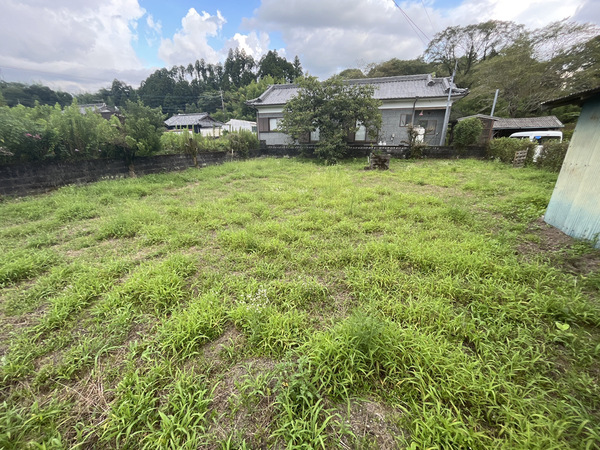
{"x":576,"y":98}
{"x":389,"y":88}
{"x":237,"y":124}
{"x":202,"y":120}
{"x":100,"y":108}
{"x":523,"y":123}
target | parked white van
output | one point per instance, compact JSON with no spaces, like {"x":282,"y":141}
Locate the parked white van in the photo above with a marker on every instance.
{"x":541,"y":137}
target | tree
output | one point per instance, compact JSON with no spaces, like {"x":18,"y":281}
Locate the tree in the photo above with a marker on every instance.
{"x":351,"y":74}
{"x":156,"y":87}
{"x":524,"y":82}
{"x":277,"y":66}
{"x":470,"y":44}
{"x":118,"y":94}
{"x":335,"y":109}
{"x":467,"y":132}
{"x":137,"y":132}
{"x":26,"y":95}
{"x":297,"y":67}
{"x":395,"y":67}
{"x":238,"y":69}
{"x":579,"y":66}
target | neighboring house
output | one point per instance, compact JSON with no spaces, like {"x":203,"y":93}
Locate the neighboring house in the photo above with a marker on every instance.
{"x":101,"y":108}
{"x":237,"y":125}
{"x":200,"y":123}
{"x":497,"y":127}
{"x":574,"y":207}
{"x":413,"y":99}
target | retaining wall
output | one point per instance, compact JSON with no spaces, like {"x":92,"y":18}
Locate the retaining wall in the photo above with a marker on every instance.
{"x":21,"y":179}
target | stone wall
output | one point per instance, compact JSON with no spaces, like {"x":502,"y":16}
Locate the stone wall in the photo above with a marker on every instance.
{"x":19,"y":179}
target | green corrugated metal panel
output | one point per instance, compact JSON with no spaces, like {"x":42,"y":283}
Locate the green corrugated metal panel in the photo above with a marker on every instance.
{"x":575,"y":204}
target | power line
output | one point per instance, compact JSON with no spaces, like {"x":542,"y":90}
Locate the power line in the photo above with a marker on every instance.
{"x":413,"y":25}
{"x":427,"y":14}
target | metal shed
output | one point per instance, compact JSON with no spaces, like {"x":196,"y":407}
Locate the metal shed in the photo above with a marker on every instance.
{"x":574,"y":207}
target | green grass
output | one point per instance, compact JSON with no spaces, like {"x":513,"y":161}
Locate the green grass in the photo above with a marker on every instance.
{"x":278,"y":303}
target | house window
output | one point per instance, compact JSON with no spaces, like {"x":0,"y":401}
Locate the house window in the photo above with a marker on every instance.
{"x":273,"y":124}
{"x":361,"y":133}
{"x":429,"y":125}
{"x":405,"y":120}
{"x":315,"y":136}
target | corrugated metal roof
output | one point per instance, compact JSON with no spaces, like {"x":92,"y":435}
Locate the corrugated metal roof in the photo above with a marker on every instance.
{"x":201,"y":119}
{"x":389,"y":88}
{"x":532,"y":123}
{"x":576,"y":98}
{"x":575,"y":207}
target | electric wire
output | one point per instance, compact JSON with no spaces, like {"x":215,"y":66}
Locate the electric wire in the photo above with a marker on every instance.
{"x":414,"y":26}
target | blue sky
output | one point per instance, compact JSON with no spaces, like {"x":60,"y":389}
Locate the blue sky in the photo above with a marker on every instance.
{"x":169,"y":15}
{"x":82,"y":45}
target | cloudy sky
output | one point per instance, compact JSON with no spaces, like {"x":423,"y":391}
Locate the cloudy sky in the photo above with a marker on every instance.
{"x":82,"y":45}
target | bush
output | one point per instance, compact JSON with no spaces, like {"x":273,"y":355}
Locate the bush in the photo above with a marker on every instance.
{"x":242,"y":141}
{"x":193,"y":143}
{"x":552,"y":155}
{"x":504,"y":149}
{"x":467,"y":132}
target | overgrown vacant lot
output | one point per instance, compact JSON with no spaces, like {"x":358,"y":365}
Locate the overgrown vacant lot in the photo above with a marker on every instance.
{"x":279,"y":303}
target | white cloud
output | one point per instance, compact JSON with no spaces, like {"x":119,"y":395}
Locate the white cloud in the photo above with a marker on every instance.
{"x":156,"y":26}
{"x":253,"y":44}
{"x":191,"y":42}
{"x":86,"y":42}
{"x":588,"y":11}
{"x":330,"y":35}
{"x":531,"y":13}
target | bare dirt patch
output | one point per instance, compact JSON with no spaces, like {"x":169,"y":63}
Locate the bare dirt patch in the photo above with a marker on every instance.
{"x":213,"y":351}
{"x":373,"y":425}
{"x":560,"y":249}
{"x":251,"y":418}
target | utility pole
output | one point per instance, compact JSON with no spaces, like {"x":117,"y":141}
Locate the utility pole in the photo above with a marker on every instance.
{"x":495,"y":100}
{"x":447,"y":115}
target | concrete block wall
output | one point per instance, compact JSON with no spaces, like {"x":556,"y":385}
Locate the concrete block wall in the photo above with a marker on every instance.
{"x":21,"y":179}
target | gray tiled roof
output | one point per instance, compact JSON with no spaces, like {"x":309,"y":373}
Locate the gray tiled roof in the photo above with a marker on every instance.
{"x":98,"y":107}
{"x":533,"y":123}
{"x":528,"y":122}
{"x":389,"y":88}
{"x":202,"y":119}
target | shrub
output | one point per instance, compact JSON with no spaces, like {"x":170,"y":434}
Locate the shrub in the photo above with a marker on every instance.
{"x":467,"y":132}
{"x":193,"y":143}
{"x":504,"y":149}
{"x":552,"y":155}
{"x":242,"y":141}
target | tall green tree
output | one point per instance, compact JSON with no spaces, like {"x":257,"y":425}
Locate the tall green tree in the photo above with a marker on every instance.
{"x":395,"y":67}
{"x":335,"y":109}
{"x":118,"y":94}
{"x":277,"y":67}
{"x":469,"y":45}
{"x":524,"y":82}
